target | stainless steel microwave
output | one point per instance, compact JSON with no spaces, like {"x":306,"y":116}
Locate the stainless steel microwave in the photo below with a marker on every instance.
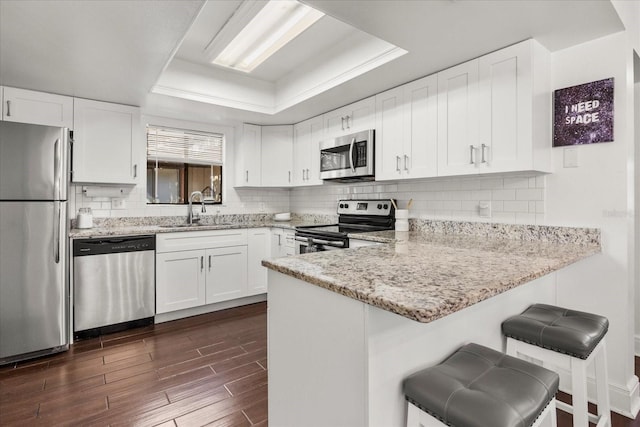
{"x":349,"y":157}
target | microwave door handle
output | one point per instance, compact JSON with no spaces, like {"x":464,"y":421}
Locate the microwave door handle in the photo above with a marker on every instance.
{"x":353,"y":142}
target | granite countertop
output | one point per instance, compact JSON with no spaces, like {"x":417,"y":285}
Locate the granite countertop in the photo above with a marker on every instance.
{"x":425,"y":276}
{"x":133,"y":230}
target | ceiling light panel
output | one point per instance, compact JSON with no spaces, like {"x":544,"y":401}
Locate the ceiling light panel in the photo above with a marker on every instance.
{"x":275,"y":25}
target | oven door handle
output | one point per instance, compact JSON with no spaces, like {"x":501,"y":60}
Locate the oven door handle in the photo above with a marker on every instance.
{"x":311,"y":240}
{"x":353,"y":143}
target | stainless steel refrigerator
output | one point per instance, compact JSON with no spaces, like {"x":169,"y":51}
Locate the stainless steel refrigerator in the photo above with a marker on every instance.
{"x":34,"y":176}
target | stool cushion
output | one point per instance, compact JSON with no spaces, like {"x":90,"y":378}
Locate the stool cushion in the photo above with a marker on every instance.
{"x":566,"y":331}
{"x":480,"y":387}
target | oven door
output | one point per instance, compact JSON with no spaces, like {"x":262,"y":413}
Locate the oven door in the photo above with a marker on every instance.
{"x":350,"y":156}
{"x":305,"y":245}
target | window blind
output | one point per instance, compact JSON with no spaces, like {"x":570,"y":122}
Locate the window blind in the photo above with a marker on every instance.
{"x":183,"y":146}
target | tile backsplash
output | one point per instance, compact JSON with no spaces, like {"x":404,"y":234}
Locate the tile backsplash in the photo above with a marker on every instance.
{"x":514,"y":198}
{"x":518,"y":199}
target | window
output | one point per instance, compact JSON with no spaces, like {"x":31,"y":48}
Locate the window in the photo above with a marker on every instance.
{"x":180,"y":162}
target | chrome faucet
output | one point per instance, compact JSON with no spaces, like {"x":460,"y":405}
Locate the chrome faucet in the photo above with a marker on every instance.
{"x":193,"y":216}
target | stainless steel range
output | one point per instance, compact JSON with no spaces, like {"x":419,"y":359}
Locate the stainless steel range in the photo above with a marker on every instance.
{"x":354,"y":216}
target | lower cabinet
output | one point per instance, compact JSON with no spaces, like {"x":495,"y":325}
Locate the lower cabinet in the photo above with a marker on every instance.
{"x":195,"y":268}
{"x":226,"y":273}
{"x":282,"y":243}
{"x":180,"y":280}
{"x":259,"y":248}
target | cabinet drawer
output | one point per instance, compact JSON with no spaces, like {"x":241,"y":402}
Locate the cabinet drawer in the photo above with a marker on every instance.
{"x":190,"y":240}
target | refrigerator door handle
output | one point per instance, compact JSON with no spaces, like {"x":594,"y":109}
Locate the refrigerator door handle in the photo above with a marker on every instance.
{"x":57,"y":170}
{"x":57,"y":221}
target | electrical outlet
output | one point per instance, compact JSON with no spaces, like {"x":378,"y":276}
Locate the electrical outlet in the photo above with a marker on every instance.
{"x":484,"y":209}
{"x":118,"y":203}
{"x":570,"y":159}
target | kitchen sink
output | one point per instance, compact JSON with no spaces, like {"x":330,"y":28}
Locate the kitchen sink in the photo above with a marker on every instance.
{"x":195,"y":225}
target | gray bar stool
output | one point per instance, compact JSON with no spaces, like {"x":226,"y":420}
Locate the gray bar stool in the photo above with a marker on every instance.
{"x":566,"y":339}
{"x":480,"y":387}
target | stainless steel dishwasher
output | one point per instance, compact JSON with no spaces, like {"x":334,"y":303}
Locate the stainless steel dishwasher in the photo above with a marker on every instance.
{"x":113,"y":284}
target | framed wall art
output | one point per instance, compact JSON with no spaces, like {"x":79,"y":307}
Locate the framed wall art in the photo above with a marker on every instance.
{"x":583,"y":114}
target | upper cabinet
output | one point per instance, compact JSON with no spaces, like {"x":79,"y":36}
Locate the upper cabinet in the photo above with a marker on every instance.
{"x":494,"y":113}
{"x":104,"y":142}
{"x":264,"y":156}
{"x":406,"y":131}
{"x":277,"y":156}
{"x":307,"y":136}
{"x":27,"y":106}
{"x":351,"y":118}
{"x":248,"y":157}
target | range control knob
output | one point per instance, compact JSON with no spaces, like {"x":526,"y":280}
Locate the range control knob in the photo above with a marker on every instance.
{"x":346,"y":205}
{"x":386,"y":206}
{"x":379,"y":206}
{"x":341,"y":205}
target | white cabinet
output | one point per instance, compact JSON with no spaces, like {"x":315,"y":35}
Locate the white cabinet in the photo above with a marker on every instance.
{"x":458,"y":119}
{"x":282,"y":242}
{"x":493,"y":113}
{"x":180,"y":280}
{"x":248,"y":157}
{"x":277,"y":156}
{"x":407,"y":130}
{"x":27,"y":106}
{"x":195,"y":268}
{"x":105,"y":140}
{"x":351,"y":118}
{"x":226,"y":276}
{"x":259,"y":248}
{"x":514,"y":109}
{"x":307,"y":136}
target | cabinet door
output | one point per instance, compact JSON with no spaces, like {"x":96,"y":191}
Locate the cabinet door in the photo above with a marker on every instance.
{"x":277,"y":243}
{"x":389,"y":134}
{"x":361,"y":115}
{"x":248,"y":153}
{"x":226,"y":273}
{"x":306,"y":152}
{"x":104,"y":141}
{"x":277,"y":156}
{"x":258,"y":248}
{"x":505,"y":99}
{"x":420,"y":157}
{"x":180,"y":280}
{"x":351,"y":118}
{"x":458,"y":119}
{"x":27,"y":106}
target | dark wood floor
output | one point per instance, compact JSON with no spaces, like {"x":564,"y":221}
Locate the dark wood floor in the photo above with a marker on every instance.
{"x":205,"y":370}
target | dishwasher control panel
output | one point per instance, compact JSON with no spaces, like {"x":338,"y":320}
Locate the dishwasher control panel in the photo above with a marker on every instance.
{"x":100,"y":246}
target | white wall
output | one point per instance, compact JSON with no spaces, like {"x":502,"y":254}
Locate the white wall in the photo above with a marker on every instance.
{"x":598,"y":194}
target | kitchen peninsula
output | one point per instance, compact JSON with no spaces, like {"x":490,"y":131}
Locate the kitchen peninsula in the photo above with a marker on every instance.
{"x":345,"y":327}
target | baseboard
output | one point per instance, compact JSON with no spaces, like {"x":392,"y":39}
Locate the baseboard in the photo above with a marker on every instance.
{"x":636,"y":340}
{"x":210,"y":308}
{"x":625,"y":400}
